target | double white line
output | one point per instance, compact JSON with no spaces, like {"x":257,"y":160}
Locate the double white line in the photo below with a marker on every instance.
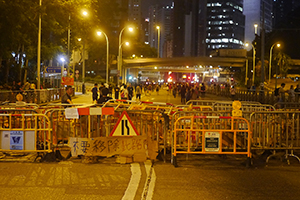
{"x":135,"y":181}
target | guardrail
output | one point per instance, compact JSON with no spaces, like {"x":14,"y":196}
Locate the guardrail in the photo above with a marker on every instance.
{"x":262,"y":96}
{"x":32,"y":96}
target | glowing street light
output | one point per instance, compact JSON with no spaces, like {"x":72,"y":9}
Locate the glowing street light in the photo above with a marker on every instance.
{"x":255,"y":28}
{"x":85,"y":13}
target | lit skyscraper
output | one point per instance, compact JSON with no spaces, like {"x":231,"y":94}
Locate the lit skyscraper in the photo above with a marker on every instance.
{"x":225,"y":24}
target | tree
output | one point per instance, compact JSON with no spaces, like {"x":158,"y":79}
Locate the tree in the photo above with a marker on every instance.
{"x":284,"y":63}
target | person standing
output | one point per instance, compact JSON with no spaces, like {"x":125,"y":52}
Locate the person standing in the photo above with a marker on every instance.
{"x":66,"y":98}
{"x":232,"y":93}
{"x":297,"y":92}
{"x":95,"y":93}
{"x":117,"y":91}
{"x":202,"y":90}
{"x":291,"y":93}
{"x":182,"y":93}
{"x":138,"y":92}
{"x":130,"y":91}
{"x":157,"y":89}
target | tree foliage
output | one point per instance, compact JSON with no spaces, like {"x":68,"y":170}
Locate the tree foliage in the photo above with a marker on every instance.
{"x":19,"y":33}
{"x":283,"y":62}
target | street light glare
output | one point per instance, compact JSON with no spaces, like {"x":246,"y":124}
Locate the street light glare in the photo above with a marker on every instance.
{"x":62,"y":59}
{"x":79,"y":39}
{"x":278,"y":45}
{"x":246,"y":44}
{"x":127,"y":43}
{"x":85,"y":13}
{"x":130,"y":29}
{"x":255,"y":25}
{"x":99,"y":33}
{"x":157,"y":27}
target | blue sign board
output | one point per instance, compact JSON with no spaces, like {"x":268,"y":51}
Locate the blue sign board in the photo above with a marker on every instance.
{"x":53,"y":69}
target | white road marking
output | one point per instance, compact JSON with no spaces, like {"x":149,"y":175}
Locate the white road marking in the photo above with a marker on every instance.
{"x":149,"y":186}
{"x":134,"y":182}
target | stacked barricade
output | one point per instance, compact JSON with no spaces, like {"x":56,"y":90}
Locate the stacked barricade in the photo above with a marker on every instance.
{"x":117,"y":104}
{"x":287,"y":106}
{"x":276,"y":131}
{"x":211,"y":135}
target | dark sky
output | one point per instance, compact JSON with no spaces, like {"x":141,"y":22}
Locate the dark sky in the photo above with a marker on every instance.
{"x":147,"y":3}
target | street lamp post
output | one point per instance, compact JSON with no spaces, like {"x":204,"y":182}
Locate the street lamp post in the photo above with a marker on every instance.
{"x":107,"y":53}
{"x":62,"y":71}
{"x":120,"y":57}
{"x":270,"y":63}
{"x":158,"y":40}
{"x":120,"y":49}
{"x":255,"y":29}
{"x":253,"y":76}
{"x":39,"y":51}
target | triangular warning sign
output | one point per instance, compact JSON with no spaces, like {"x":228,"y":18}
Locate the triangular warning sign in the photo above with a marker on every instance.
{"x":124,"y":127}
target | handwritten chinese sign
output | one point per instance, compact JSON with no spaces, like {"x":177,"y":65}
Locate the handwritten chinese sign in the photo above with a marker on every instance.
{"x":107,"y":146}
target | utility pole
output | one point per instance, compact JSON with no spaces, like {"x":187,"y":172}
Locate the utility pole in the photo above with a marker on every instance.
{"x":262,"y":35}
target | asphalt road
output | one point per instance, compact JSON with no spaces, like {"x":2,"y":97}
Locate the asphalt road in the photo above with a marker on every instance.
{"x":201,"y":177}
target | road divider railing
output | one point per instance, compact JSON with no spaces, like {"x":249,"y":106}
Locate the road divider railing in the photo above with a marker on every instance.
{"x":211,"y":135}
{"x":276,"y":131}
{"x":212,"y":102}
{"x":191,"y":107}
{"x":25,"y":133}
{"x":287,"y":106}
{"x":201,"y":102}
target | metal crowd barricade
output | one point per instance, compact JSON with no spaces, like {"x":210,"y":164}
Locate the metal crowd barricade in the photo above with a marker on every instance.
{"x":277,"y":130}
{"x":211,"y":135}
{"x":116,"y":103}
{"x":156,"y":106}
{"x":25,"y":133}
{"x":191,"y":107}
{"x":287,"y":106}
{"x":201,"y":102}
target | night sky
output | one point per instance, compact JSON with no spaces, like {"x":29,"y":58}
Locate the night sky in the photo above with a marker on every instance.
{"x":147,"y":3}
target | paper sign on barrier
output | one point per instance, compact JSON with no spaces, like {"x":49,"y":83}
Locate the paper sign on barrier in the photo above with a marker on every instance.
{"x":71,"y":113}
{"x":212,"y":141}
{"x":16,"y":140}
{"x":79,"y":146}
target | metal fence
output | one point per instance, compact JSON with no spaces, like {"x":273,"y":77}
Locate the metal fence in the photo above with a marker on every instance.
{"x":276,"y":130}
{"x":211,"y":135}
{"x":32,"y":96}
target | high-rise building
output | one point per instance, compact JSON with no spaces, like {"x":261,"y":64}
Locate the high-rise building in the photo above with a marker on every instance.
{"x":225,"y":24}
{"x":254,"y":10}
{"x":152,"y":24}
{"x":135,"y":13}
{"x":164,"y":21}
{"x":281,"y":9}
